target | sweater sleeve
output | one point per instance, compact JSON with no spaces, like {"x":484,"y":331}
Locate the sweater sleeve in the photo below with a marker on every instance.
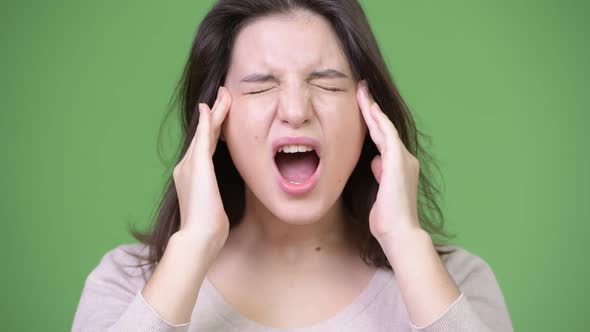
{"x":111,"y":300}
{"x":480,"y":307}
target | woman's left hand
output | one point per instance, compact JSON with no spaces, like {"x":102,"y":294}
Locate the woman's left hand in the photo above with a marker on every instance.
{"x":396,"y":170}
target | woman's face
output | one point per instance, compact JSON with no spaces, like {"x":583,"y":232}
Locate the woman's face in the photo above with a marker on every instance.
{"x":288,"y":77}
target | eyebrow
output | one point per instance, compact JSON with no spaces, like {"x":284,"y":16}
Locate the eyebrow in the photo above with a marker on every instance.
{"x":326,"y":73}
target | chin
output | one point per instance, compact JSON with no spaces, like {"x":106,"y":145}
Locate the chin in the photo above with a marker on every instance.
{"x":299,"y":211}
{"x":298,"y":216}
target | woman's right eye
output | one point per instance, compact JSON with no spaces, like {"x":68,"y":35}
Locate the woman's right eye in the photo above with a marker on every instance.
{"x":257,"y":92}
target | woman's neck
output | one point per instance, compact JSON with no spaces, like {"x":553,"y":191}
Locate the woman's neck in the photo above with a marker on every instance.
{"x":263,"y":233}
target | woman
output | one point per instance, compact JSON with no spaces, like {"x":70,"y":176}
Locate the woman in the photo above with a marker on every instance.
{"x":308,"y":154}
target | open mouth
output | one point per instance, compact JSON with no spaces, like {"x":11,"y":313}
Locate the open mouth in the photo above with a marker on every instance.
{"x":297,"y":167}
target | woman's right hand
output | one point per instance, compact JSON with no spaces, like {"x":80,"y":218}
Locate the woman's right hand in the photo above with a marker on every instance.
{"x":202,"y":216}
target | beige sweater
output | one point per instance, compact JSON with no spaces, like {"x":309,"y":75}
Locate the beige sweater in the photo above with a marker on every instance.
{"x":111,"y":301}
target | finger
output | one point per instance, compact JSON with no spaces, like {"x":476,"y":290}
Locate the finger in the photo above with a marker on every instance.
{"x":219,"y":115}
{"x":191,"y":146}
{"x":202,"y":144}
{"x":217,"y":97}
{"x":204,"y":121}
{"x":365,"y":103}
{"x":196,"y":142}
{"x":387,"y":128}
{"x":377,"y":168}
{"x":383,"y":121}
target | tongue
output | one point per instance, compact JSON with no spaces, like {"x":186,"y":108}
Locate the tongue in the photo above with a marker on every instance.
{"x":297,"y":167}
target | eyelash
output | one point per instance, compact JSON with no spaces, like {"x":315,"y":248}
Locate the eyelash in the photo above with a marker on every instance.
{"x":327,"y":89}
{"x":331,"y":89}
{"x":257,"y":92}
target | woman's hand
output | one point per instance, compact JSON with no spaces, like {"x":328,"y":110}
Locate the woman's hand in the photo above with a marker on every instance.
{"x":173,"y":288}
{"x":395,"y":169}
{"x":202,"y":215}
{"x":426,"y":286}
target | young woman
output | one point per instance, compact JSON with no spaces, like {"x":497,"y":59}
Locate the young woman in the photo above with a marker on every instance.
{"x":294,"y":204}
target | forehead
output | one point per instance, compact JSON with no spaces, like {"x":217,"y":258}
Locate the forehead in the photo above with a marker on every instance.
{"x":300,"y":41}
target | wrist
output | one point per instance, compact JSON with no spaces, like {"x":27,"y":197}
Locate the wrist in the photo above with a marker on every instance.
{"x":403,"y":236}
{"x":196,"y":247}
{"x":206,"y":235}
{"x":405,"y":242}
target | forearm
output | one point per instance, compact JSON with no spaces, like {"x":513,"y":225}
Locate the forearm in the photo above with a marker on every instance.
{"x":173,"y":288}
{"x":426,"y":286}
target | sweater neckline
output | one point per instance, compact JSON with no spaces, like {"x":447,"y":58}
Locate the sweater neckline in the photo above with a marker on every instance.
{"x":230,"y":314}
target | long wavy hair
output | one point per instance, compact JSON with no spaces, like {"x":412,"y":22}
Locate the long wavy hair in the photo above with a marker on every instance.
{"x":205,"y":71}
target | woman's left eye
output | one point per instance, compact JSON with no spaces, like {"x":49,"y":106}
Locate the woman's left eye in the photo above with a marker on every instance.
{"x":329,"y":89}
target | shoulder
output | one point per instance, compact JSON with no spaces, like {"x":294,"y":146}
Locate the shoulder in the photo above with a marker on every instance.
{"x":125,"y":266}
{"x":476,"y":280}
{"x":465,"y":266}
{"x":483,"y":298}
{"x":111,"y":297}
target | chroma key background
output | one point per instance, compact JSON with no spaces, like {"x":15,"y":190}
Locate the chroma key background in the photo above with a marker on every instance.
{"x":501,"y":86}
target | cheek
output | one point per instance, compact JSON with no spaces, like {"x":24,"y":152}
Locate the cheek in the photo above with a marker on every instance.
{"x":345,"y":130}
{"x":245,"y":118}
{"x":245,"y":131}
{"x":341,"y":117}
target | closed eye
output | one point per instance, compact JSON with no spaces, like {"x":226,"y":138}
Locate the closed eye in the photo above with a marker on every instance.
{"x":321,"y":87}
{"x":257,"y":92}
{"x":329,"y":89}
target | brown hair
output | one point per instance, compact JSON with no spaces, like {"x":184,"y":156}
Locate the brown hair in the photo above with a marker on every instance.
{"x":205,"y":71}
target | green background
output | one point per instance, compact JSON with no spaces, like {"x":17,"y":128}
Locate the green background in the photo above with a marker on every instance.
{"x":500,"y":85}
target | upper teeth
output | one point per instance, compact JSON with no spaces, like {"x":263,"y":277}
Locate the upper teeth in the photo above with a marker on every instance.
{"x":295,"y":148}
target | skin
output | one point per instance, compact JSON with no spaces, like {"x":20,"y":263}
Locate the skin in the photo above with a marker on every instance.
{"x":271,"y":260}
{"x":274,"y":247}
{"x":293,"y":103}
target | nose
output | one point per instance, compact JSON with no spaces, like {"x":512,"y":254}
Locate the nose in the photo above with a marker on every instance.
{"x":295,"y":107}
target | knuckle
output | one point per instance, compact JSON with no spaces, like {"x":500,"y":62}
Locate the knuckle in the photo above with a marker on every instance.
{"x":176,"y":171}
